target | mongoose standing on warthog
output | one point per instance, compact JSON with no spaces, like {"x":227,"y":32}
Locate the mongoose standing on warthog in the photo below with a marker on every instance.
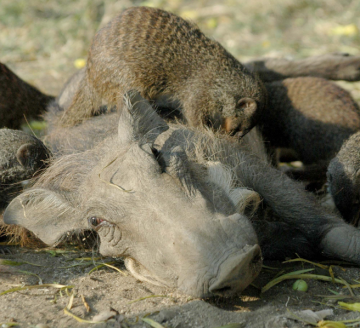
{"x":344,"y":179}
{"x":18,"y":99}
{"x":172,"y":63}
{"x":311,"y":116}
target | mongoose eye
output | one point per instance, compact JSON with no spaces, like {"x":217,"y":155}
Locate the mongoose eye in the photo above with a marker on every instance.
{"x":95,"y":221}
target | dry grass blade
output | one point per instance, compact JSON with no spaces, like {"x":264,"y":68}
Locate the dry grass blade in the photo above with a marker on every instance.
{"x":331,"y":324}
{"x":15,"y":263}
{"x":322,"y":266}
{"x":269,"y":267}
{"x":152,"y":323}
{"x":87,"y":306}
{"x":78,"y":319}
{"x":115,"y":268}
{"x":347,"y":286}
{"x":35,"y":287}
{"x":31,"y":274}
{"x":71,"y":301}
{"x":233,"y":325}
{"x":146,"y":297}
{"x":9,"y":324}
{"x":350,"y":306}
{"x":108,"y":265}
{"x":56,"y":252}
{"x":299,"y":272}
{"x":76,"y":265}
{"x":6,"y":269}
{"x":293,"y":275}
{"x":354,"y":286}
{"x":338,"y":297}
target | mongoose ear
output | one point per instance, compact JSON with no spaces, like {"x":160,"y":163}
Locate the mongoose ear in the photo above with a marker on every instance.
{"x":247,"y":105}
{"x":24,"y":154}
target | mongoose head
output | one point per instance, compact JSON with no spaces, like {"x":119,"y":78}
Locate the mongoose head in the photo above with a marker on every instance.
{"x":241,"y":106}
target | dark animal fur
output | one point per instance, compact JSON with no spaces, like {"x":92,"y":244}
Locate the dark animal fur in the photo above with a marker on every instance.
{"x":18,"y":99}
{"x":344,"y":179}
{"x":312,"y":117}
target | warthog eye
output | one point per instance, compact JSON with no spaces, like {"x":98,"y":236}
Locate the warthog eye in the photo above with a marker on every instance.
{"x":95,"y":221}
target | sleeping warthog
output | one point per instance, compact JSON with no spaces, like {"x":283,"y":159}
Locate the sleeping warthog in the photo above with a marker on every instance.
{"x":176,"y":202}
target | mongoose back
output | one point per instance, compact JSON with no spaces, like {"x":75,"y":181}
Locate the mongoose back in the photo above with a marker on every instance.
{"x":171,"y":62}
{"x":309,"y":115}
{"x":18,"y":99}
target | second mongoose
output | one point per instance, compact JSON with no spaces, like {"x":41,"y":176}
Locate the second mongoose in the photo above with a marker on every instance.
{"x":309,"y":115}
{"x":19,"y":100}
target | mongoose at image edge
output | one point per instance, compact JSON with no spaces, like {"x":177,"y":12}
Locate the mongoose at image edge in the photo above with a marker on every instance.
{"x":344,"y":179}
{"x":173,"y":64}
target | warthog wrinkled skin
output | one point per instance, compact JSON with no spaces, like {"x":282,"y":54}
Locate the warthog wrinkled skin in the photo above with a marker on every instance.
{"x":176,"y":203}
{"x":344,"y":179}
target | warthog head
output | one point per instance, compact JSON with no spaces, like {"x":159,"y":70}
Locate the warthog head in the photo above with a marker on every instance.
{"x":168,"y":215}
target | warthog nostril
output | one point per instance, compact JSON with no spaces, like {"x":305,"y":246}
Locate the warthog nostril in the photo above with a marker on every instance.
{"x":237,"y":272}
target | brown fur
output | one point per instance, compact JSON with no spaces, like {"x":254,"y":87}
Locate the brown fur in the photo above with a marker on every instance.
{"x":18,"y":99}
{"x":168,"y":60}
{"x":311,"y":116}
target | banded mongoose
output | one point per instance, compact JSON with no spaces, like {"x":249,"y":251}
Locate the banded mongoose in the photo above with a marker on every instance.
{"x":311,"y":116}
{"x":172,"y":63}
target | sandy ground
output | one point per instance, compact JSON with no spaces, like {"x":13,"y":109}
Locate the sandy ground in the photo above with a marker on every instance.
{"x":105,"y":289}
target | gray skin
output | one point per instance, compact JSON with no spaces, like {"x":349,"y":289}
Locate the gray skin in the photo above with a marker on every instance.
{"x":21,"y":158}
{"x":176,"y":203}
{"x":344,"y":179}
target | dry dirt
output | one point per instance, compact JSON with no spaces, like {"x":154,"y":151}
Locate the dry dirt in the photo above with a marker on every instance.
{"x":105,"y":289}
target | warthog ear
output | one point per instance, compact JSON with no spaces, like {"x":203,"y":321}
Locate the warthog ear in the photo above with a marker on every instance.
{"x":139,"y":121}
{"x":45,"y":213}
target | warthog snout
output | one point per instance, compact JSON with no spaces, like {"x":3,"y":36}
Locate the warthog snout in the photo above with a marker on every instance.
{"x":237,"y":272}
